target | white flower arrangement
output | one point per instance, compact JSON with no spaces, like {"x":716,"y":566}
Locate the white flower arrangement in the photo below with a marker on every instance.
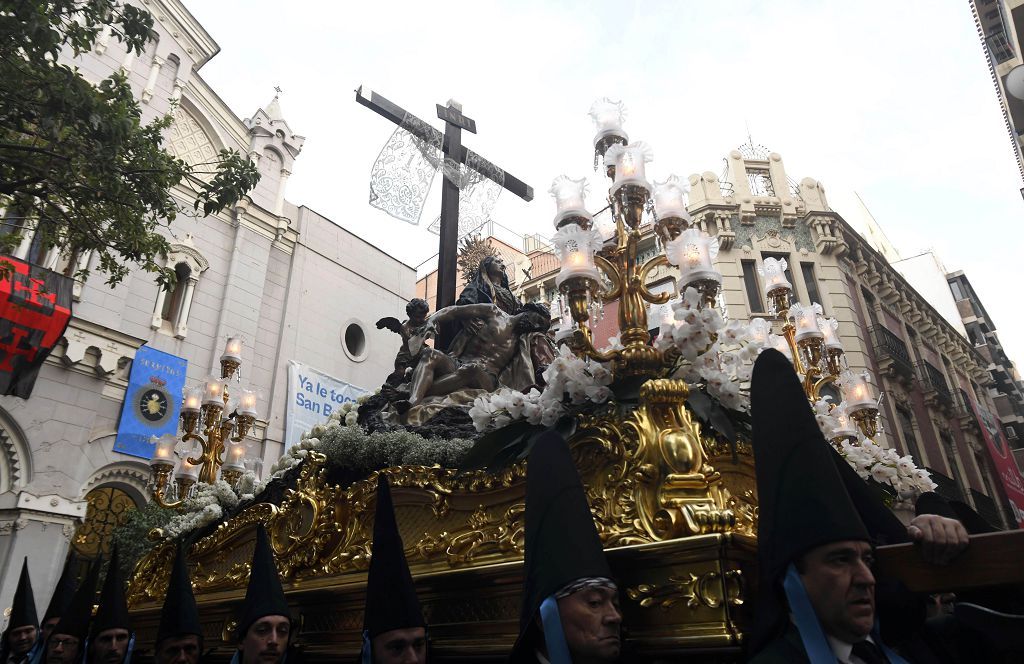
{"x":206,"y":505}
{"x":870,"y":460}
{"x":567,"y":379}
{"x":718,"y":353}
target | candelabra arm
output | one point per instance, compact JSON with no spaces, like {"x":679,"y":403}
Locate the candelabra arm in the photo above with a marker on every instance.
{"x":158,"y":498}
{"x":818,"y":385}
{"x":610,"y":270}
{"x":162,"y":475}
{"x":653,"y":298}
{"x":202,"y":443}
{"x":581,"y":343}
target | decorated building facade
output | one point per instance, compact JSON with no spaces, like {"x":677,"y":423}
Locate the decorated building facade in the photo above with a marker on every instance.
{"x":280,"y":275}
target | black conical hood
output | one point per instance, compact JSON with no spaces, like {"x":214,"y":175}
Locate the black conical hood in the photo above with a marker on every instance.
{"x":973,"y":522}
{"x":391,"y":601}
{"x":64,"y":589}
{"x":179,"y":616}
{"x":562,"y":544}
{"x":802,"y":500}
{"x":75,"y":619}
{"x":264,"y":596}
{"x":23,"y":608}
{"x":113,"y":610}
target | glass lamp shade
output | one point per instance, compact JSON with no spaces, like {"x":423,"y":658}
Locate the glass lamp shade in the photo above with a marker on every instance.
{"x":858,"y":392}
{"x":163,"y":450}
{"x":233,"y":349}
{"x":830,"y":330}
{"x":213,"y":392}
{"x":193,"y":399}
{"x":187,"y":471}
{"x":576,"y":248}
{"x":570,"y":198}
{"x":760,"y":330}
{"x":670,"y":199}
{"x":780,"y":344}
{"x":694,"y":252}
{"x":806,"y":321}
{"x":630,"y":164}
{"x":774,"y":272}
{"x":234,"y":459}
{"x":846,"y":426}
{"x":608,"y":117}
{"x":247,"y":403}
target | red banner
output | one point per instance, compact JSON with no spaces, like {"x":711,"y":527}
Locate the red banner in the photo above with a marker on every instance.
{"x":35,"y":308}
{"x":1002,"y":459}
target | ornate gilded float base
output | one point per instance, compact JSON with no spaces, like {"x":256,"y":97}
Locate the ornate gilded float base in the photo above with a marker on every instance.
{"x":674,"y":508}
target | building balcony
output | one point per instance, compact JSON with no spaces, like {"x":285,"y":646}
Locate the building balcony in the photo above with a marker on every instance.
{"x":891,"y":354}
{"x":936,"y":389}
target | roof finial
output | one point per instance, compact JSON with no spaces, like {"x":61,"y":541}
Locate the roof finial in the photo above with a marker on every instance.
{"x":278,"y":90}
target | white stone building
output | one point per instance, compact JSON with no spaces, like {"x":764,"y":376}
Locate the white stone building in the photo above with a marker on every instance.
{"x":295,"y":285}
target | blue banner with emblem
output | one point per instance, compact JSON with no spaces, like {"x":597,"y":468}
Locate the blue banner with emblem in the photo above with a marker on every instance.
{"x":152,"y":401}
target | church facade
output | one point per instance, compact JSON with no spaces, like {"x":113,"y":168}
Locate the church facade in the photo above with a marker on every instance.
{"x":292,"y":283}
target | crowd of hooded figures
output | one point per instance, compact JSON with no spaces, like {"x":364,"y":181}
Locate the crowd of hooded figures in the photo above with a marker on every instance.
{"x":819,"y":600}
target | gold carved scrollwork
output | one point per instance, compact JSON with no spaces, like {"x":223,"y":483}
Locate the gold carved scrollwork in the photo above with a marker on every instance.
{"x":705,"y":589}
{"x":649,"y":473}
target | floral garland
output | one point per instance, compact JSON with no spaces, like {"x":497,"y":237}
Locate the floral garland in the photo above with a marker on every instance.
{"x":870,"y":460}
{"x":204,"y":506}
{"x":718,"y":354}
{"x":568,"y":379}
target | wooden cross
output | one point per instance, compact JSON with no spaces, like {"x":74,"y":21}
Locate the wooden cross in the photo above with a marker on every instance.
{"x":454,"y":123}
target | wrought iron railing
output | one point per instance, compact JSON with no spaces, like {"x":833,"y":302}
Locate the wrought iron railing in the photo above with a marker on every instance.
{"x":888,"y":344}
{"x":934,"y":381}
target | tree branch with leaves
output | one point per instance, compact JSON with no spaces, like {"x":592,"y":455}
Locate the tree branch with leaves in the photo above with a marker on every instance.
{"x":78,"y":166}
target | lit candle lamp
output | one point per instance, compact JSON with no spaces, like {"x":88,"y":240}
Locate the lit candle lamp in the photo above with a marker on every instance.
{"x":780,"y":344}
{"x":774,"y":273}
{"x":232,"y":350}
{"x":760,"y":330}
{"x":570,"y":199}
{"x":187,"y":471}
{"x":163,"y":450}
{"x":235,"y":457}
{"x":670,"y":199}
{"x":247,"y":403}
{"x":193,"y":399}
{"x":576,"y":247}
{"x":608,"y":117}
{"x":213,"y":392}
{"x":857,"y":391}
{"x":630,"y":164}
{"x":694,"y":252}
{"x":846,"y":428}
{"x":829,"y":328}
{"x":806,"y":321}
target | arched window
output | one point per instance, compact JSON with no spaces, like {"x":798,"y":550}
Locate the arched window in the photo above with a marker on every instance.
{"x":171,"y":312}
{"x":171,"y":309}
{"x":108,"y":508}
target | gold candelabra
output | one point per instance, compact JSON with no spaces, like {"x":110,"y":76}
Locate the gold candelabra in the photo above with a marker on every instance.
{"x":617,"y":259}
{"x":207,"y":406}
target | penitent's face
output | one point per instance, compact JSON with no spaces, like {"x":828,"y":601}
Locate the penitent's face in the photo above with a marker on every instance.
{"x":400,"y":646}
{"x":841,"y":587}
{"x":592,"y":621}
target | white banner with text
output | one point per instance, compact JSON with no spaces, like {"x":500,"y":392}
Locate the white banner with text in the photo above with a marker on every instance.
{"x":312,"y":397}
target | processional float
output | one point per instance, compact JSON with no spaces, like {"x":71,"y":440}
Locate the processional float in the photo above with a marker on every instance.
{"x":664,"y":453}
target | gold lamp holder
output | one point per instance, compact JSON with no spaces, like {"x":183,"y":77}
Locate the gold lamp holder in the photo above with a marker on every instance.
{"x":866,"y":420}
{"x":217,"y":431}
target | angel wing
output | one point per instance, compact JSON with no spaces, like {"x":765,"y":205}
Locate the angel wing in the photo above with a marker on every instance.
{"x":391,"y":323}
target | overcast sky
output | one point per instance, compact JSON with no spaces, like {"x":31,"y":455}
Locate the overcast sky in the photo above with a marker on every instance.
{"x":892,"y":100}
